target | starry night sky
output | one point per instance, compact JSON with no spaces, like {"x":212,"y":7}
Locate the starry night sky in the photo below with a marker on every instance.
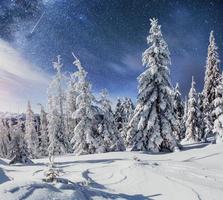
{"x":109,"y":37}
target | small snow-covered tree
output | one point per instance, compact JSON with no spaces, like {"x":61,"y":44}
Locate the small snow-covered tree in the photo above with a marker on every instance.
{"x":4,"y":139}
{"x":112,"y":140}
{"x":127,"y":112}
{"x":119,"y":115}
{"x":201,"y":114}
{"x":31,"y":135}
{"x":211,"y":79}
{"x":86,"y":139}
{"x":192,"y":122}
{"x":218,"y":111}
{"x":179,"y":112}
{"x":56,"y":91}
{"x":185,"y":116}
{"x":123,"y":111}
{"x":18,"y":147}
{"x":153,"y":121}
{"x":44,"y":140}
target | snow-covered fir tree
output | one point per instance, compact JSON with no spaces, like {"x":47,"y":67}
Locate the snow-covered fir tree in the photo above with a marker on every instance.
{"x":112,"y":140}
{"x":201,"y":114}
{"x":185,"y":116}
{"x":179,"y":112}
{"x":123,"y":111}
{"x":119,"y":114}
{"x":4,"y":139}
{"x":18,"y":148}
{"x":71,"y":96}
{"x":192,"y":122}
{"x":44,"y":140}
{"x":31,"y":134}
{"x":153,"y":122}
{"x":86,"y":139}
{"x":212,"y":75}
{"x":56,"y":92}
{"x":126,"y":114}
{"x":218,"y":111}
{"x":53,"y":129}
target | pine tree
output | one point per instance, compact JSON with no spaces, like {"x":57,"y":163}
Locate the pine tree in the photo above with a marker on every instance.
{"x":192,"y":123}
{"x":4,"y":139}
{"x":112,"y":140}
{"x":212,"y":75}
{"x":71,"y":97}
{"x":51,"y":175}
{"x":44,"y":140}
{"x":86,"y":139}
{"x":55,"y":90}
{"x":218,"y":111}
{"x":31,"y":134}
{"x":201,"y":114}
{"x":18,"y":148}
{"x":126,"y":114}
{"x":179,"y":112}
{"x":153,"y":121}
{"x":119,"y":115}
{"x":53,"y":129}
{"x":185,"y":116}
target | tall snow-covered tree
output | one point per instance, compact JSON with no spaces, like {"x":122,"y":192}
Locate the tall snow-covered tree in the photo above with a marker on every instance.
{"x":44,"y":140}
{"x":153,"y":121}
{"x":56,"y":91}
{"x":192,"y":122}
{"x":112,"y":140}
{"x":212,"y":75}
{"x":218,"y":111}
{"x":86,"y":139}
{"x":31,"y":135}
{"x":71,"y":96}
{"x":179,"y":112}
{"x":53,"y":129}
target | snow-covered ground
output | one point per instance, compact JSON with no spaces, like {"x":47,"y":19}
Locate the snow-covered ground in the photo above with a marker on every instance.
{"x":192,"y":174}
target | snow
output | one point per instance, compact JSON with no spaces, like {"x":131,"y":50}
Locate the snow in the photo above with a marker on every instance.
{"x":194,"y":173}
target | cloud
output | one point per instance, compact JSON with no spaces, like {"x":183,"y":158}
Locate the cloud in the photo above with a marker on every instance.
{"x":130,"y":63}
{"x":19,"y":80}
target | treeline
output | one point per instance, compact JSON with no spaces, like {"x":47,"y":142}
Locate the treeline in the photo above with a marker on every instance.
{"x":78,"y":122}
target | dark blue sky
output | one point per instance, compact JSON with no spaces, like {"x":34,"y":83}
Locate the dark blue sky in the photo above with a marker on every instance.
{"x":109,"y":37}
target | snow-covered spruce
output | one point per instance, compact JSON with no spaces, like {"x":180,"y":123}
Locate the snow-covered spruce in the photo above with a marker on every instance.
{"x":70,"y":104}
{"x":31,"y":134}
{"x":153,"y":122}
{"x":56,"y":93}
{"x":86,"y":139}
{"x":4,"y":139}
{"x":44,"y":140}
{"x":179,"y":112}
{"x":211,"y":79}
{"x":118,"y":114}
{"x":218,"y":111}
{"x":18,"y":147}
{"x":192,"y":122}
{"x":123,"y":112}
{"x":112,"y":139}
